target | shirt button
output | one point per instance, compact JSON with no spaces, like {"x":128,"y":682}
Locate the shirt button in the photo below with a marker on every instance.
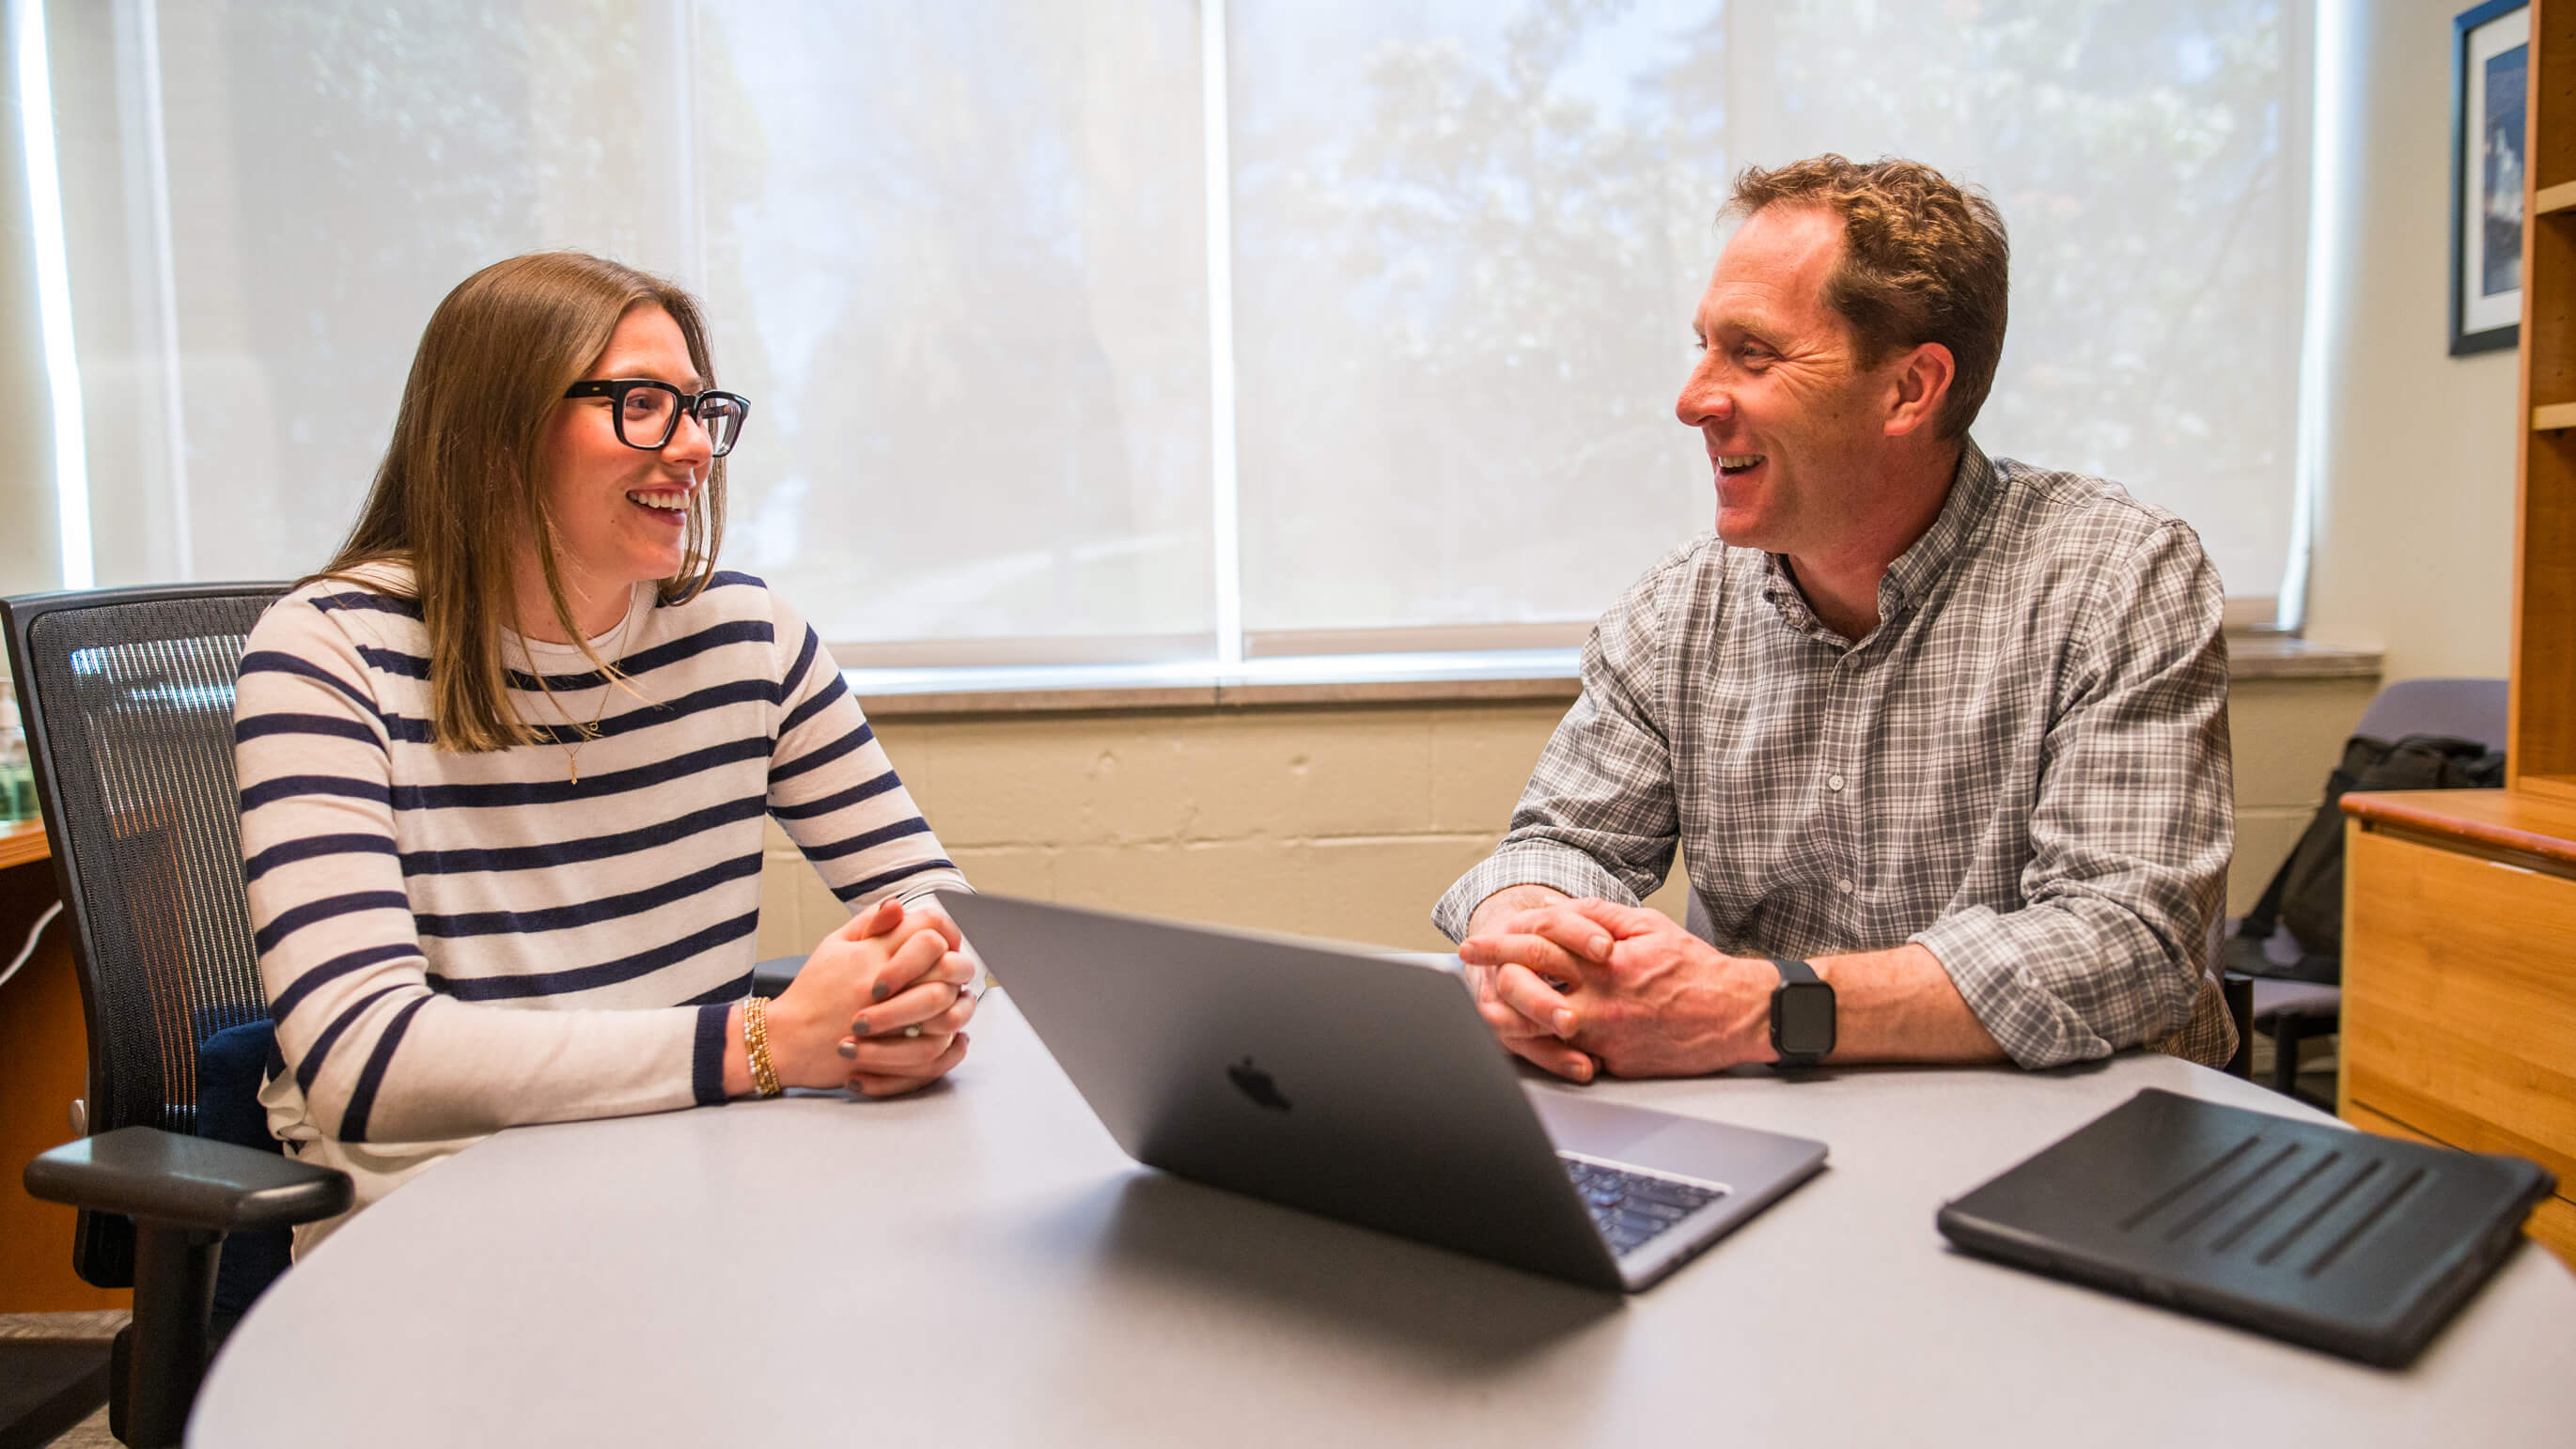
{"x":1844,"y":885}
{"x":1833,"y":782}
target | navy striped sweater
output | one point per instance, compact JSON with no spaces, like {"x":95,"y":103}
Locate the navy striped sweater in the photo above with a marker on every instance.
{"x":456,"y":943}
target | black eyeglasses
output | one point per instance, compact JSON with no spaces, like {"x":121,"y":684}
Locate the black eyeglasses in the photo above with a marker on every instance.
{"x":647,"y":412}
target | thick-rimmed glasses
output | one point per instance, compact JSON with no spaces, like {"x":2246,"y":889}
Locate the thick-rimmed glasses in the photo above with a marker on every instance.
{"x":647,"y":412}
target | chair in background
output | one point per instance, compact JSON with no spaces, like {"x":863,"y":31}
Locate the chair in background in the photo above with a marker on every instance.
{"x":1695,"y":917}
{"x":127,"y":701}
{"x":2293,"y":1013}
{"x":772,"y":977}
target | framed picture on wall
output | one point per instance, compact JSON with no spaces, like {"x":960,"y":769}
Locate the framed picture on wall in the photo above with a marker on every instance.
{"x":2490,"y":80}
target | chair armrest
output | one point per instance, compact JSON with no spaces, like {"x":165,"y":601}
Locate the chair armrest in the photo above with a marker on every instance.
{"x":2306,"y":1001}
{"x":2237,"y":989}
{"x":163,"y":1177}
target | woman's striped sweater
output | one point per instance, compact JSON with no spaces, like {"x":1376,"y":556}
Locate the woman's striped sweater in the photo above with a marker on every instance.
{"x":456,"y":943}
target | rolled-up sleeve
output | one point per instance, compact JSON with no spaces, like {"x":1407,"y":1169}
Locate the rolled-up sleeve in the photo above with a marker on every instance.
{"x":2131,"y":833}
{"x":1598,"y":817}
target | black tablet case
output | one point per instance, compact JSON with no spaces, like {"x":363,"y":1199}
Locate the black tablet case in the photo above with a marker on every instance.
{"x":2353,"y":1243}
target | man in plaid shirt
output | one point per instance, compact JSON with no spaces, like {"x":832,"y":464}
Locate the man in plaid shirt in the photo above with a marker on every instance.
{"x":1952,"y":730}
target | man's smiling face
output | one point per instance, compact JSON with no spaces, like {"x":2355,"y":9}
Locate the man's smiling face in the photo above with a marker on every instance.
{"x":1793,"y":424}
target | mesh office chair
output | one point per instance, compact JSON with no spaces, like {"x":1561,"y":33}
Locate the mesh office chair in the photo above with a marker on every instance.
{"x":127,"y":701}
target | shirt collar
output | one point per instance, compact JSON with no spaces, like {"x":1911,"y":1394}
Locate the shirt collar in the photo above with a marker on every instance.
{"x":1972,"y":492}
{"x":1973,"y":485}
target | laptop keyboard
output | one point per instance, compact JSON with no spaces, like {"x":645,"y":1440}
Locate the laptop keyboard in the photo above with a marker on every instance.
{"x":1633,"y":1207}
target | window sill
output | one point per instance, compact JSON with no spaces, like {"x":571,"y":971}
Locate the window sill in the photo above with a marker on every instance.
{"x":1333,"y":679}
{"x":2279,"y":656}
{"x":1529,"y":675}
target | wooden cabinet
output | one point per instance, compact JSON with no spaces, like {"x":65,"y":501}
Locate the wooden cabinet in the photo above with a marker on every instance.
{"x":2459,"y":978}
{"x":2542,"y":749}
{"x":2459,"y":952}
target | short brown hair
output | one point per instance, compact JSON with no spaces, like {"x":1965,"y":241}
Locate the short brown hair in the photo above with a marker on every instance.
{"x":1924,"y":260}
{"x":459,"y":487}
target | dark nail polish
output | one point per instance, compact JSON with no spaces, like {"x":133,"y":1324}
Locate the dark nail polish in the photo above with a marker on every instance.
{"x":847,"y":1049}
{"x":859,"y":1027}
{"x":881,"y":990}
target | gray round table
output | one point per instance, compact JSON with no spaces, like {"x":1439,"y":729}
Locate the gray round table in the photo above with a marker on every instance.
{"x":981,"y":1265}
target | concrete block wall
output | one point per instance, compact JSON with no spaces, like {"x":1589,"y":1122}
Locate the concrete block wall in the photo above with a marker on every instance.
{"x":1342,"y":821}
{"x":2288,"y":735}
{"x":1347,"y":821}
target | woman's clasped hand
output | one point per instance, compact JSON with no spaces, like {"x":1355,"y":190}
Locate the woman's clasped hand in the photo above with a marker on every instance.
{"x":880,"y":1007}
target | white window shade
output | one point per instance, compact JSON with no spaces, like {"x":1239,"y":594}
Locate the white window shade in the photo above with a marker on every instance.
{"x":1470,"y":239}
{"x":274,"y":199}
{"x":957,"y":256}
{"x":952,"y":254}
{"x":2151,"y":162}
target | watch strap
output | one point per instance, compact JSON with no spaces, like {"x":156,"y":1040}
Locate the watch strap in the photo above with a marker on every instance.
{"x":1796,"y":972}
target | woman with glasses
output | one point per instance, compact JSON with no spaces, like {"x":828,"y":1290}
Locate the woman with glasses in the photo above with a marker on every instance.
{"x":505,"y":765}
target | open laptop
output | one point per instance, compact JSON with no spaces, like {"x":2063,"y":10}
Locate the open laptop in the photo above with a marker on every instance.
{"x":1365,"y":1087}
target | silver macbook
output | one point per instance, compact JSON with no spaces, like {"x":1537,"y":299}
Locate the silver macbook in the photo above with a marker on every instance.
{"x":1366,"y":1088}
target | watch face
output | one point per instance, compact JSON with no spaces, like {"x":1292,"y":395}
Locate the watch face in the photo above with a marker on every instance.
{"x":1803,"y":1020}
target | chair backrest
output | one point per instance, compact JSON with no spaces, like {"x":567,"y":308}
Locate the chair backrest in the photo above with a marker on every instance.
{"x":127,"y":700}
{"x":2466,"y":709}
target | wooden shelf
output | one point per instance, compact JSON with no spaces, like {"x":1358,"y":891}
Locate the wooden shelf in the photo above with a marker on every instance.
{"x":23,"y":844}
{"x":2459,"y":941}
{"x":2510,"y":822}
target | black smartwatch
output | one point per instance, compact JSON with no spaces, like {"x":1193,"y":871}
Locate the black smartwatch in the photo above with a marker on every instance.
{"x":1802,"y":1015}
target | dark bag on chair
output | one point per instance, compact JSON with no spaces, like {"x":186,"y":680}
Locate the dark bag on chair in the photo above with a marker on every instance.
{"x":2305,"y":897}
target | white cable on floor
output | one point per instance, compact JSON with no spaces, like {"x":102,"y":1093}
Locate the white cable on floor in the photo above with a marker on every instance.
{"x":33,"y":932}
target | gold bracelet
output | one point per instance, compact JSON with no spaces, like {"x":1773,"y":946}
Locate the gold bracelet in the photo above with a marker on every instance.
{"x":755,"y":1041}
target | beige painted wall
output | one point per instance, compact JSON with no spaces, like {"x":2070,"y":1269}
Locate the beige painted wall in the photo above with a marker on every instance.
{"x":1345,"y":822}
{"x":2288,"y":733}
{"x":2415,"y":535}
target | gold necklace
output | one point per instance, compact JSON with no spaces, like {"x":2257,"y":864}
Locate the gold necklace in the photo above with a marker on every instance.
{"x":590,"y":731}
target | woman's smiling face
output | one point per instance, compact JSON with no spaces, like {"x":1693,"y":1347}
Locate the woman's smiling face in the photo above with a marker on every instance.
{"x":621,"y":514}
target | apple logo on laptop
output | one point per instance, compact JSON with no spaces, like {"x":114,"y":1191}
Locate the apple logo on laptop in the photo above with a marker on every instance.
{"x":1255,"y":1083}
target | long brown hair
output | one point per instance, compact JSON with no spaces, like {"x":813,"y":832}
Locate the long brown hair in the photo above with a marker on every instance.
{"x":459,"y":488}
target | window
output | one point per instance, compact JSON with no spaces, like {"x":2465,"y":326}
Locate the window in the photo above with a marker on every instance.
{"x":959,"y":256}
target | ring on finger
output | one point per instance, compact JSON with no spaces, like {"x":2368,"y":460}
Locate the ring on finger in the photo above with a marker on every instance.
{"x":913,"y":1030}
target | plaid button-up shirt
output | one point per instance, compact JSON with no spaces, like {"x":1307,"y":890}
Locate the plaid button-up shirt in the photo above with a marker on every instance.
{"x":2024,"y":767}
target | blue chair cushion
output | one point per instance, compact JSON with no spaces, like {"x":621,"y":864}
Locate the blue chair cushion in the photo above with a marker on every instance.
{"x":230,"y":1066}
